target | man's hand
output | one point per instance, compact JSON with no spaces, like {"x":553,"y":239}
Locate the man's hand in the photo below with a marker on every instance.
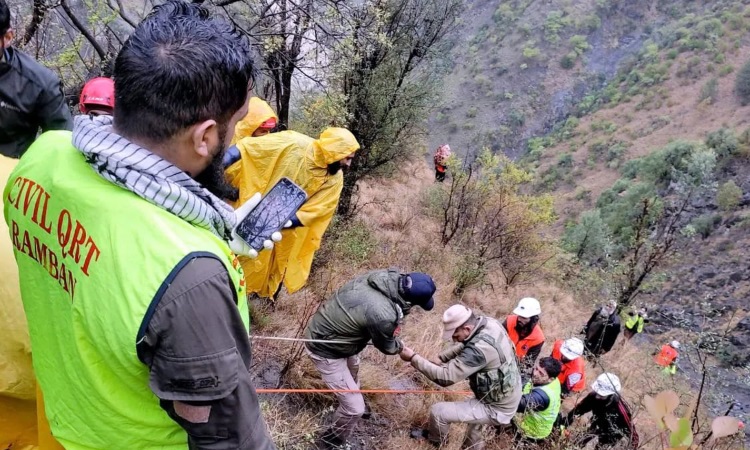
{"x":406,"y":354}
{"x":240,"y":247}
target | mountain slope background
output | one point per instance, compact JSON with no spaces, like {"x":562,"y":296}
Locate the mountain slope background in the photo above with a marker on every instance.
{"x":576,"y":90}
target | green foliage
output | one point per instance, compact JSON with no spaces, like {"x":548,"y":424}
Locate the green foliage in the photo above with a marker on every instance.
{"x":603,"y":125}
{"x":723,"y":142}
{"x":589,"y":23}
{"x":742,"y":84}
{"x":579,"y":43}
{"x":660,"y":166}
{"x":588,"y":239}
{"x":710,"y":92}
{"x":554,"y":24}
{"x":472,"y":112}
{"x":729,"y":196}
{"x":531,"y":52}
{"x":492,"y":223}
{"x":620,"y":211}
{"x":467,"y":273}
{"x":565,"y":160}
{"x":706,"y":224}
{"x":672,"y":54}
{"x":568,"y":61}
{"x":726,"y":70}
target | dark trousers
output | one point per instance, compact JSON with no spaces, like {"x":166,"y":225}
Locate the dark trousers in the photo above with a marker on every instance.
{"x":439,"y":176}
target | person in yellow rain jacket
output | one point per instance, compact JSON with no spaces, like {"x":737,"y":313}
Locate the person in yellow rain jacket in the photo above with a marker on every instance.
{"x":18,"y":394}
{"x":315,"y":165}
{"x":259,"y":121}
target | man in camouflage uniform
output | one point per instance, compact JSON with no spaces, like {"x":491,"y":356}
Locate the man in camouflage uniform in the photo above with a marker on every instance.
{"x":486,"y":356}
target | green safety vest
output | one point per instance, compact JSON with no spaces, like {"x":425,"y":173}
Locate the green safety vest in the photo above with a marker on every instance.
{"x":633,"y":321}
{"x":92,"y":257}
{"x":538,"y":424}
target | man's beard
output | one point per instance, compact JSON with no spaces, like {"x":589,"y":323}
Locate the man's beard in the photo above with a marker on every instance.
{"x":334,"y":168}
{"x":213,"y":178}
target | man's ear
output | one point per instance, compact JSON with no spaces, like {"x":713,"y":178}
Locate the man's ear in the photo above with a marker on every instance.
{"x":204,"y":137}
{"x":8,"y":37}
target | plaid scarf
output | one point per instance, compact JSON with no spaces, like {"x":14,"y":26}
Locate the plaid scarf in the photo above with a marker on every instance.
{"x":149,"y":176}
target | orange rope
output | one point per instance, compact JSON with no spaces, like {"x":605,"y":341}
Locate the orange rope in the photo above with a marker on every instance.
{"x":358,"y":391}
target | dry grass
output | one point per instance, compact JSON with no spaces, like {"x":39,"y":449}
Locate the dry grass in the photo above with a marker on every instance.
{"x":407,"y":238}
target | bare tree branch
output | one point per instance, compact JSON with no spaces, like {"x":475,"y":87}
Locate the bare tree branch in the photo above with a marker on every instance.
{"x":83,"y":30}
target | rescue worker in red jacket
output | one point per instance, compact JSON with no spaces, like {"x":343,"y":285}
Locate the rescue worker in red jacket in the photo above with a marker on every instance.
{"x":573,"y":374}
{"x":667,"y":357}
{"x":441,"y":158}
{"x":524,"y":330}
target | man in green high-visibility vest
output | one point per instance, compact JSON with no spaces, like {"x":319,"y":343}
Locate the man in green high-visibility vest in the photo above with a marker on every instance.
{"x":540,"y":403}
{"x":637,"y":318}
{"x":126,"y":253}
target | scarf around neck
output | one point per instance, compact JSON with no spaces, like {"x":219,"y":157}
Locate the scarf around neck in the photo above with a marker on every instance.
{"x":149,"y":176}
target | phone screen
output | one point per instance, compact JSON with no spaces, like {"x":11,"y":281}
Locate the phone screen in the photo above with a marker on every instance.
{"x":273,"y":211}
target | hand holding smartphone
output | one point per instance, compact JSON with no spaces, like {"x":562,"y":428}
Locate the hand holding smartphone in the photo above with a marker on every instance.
{"x":274,"y":210}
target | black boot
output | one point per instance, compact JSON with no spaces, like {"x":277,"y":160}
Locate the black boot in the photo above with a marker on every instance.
{"x":331,"y":440}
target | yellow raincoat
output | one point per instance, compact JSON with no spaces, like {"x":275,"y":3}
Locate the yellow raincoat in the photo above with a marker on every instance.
{"x":304,"y":160}
{"x":258,"y":111}
{"x":18,"y":389}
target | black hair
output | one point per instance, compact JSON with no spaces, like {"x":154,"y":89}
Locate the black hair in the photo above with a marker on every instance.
{"x":4,"y":17}
{"x":550,"y":365}
{"x":178,"y":68}
{"x":525,"y":330}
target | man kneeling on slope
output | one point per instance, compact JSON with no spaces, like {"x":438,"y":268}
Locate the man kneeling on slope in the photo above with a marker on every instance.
{"x":486,"y":356}
{"x":370,"y":307}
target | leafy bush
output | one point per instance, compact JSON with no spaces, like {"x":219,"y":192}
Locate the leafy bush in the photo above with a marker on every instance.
{"x":710,"y":91}
{"x":723,"y":141}
{"x":472,"y":112}
{"x":531,"y":52}
{"x":742,"y":84}
{"x":579,"y":43}
{"x":729,"y":196}
{"x":661,"y":166}
{"x":568,"y":61}
{"x":565,"y":160}
{"x":553,"y":25}
{"x":588,"y":239}
{"x":706,"y":224}
{"x":726,"y":70}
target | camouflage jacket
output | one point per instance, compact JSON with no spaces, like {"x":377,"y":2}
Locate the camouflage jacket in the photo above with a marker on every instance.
{"x":487,"y":358}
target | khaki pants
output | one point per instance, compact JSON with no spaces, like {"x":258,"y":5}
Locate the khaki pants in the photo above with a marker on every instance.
{"x":342,"y":374}
{"x":472,"y":412}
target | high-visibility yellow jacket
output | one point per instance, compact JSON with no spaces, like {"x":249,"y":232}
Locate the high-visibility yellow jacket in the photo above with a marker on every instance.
{"x":304,"y":160}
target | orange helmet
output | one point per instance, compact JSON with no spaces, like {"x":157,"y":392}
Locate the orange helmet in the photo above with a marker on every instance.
{"x":98,"y":91}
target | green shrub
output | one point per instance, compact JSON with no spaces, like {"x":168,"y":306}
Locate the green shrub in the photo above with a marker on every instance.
{"x":726,"y":70}
{"x":568,"y":61}
{"x":723,"y":141}
{"x":710,"y":91}
{"x":672,"y":54}
{"x":553,"y":25}
{"x":530,"y":52}
{"x":472,"y":112}
{"x":468,"y":272}
{"x":353,"y":242}
{"x":565,"y":160}
{"x":728,"y":196}
{"x":630,"y":168}
{"x":588,"y":239}
{"x":742,"y":84}
{"x":706,"y":224}
{"x":579,"y":43}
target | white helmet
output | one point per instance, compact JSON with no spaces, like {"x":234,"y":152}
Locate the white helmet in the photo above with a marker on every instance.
{"x":528,"y":307}
{"x":572,"y":348}
{"x":606,"y":384}
{"x":675,"y":345}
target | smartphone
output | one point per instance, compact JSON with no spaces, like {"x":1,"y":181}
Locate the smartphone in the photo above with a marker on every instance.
{"x":277,"y":207}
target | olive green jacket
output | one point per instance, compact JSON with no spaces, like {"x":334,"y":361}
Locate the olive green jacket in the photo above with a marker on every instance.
{"x":370,"y":307}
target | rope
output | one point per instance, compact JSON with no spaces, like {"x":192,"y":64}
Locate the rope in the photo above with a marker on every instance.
{"x":319,"y":341}
{"x":359,"y":391}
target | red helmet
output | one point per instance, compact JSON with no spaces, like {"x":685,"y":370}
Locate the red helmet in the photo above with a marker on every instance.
{"x":98,"y":91}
